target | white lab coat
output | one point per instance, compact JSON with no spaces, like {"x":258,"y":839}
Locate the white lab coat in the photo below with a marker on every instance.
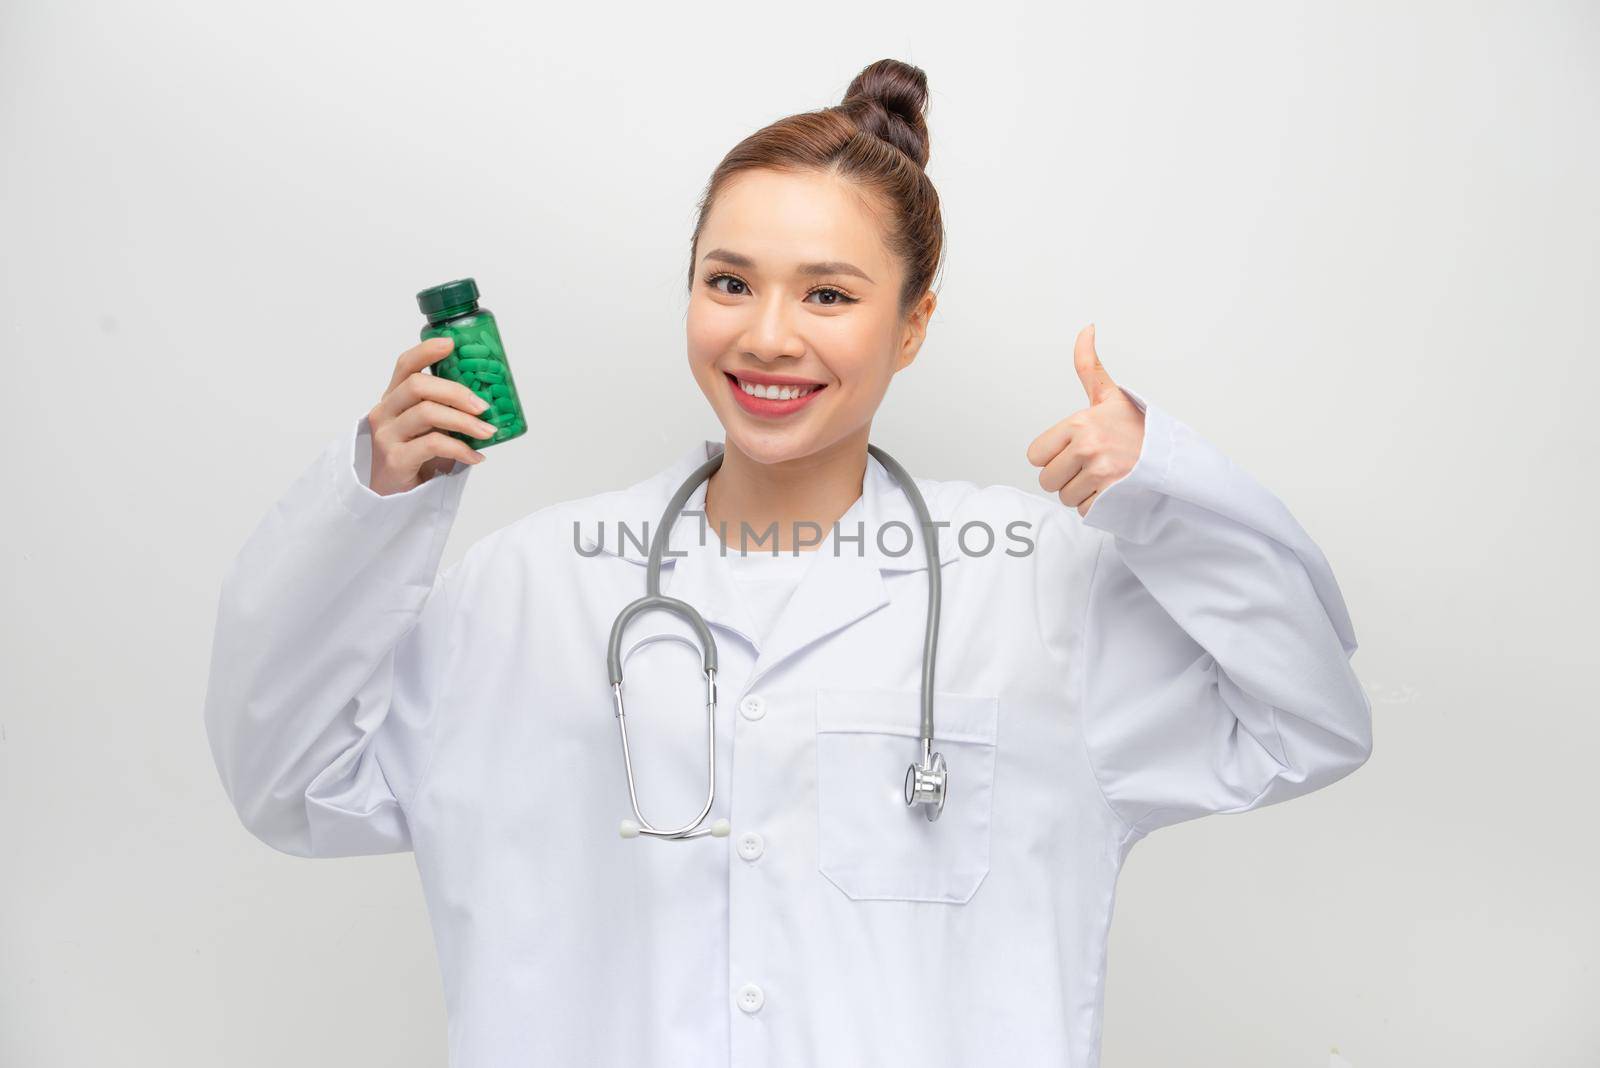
{"x":1183,"y":649}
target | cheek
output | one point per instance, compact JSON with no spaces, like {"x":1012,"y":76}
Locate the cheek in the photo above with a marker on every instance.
{"x":858,"y":357}
{"x":710,"y":331}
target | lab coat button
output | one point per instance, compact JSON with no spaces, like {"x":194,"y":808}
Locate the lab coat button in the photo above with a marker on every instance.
{"x":751,"y":998}
{"x":751,"y":845}
{"x":753,"y":707}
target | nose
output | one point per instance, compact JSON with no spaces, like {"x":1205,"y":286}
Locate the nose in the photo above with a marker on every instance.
{"x":771,"y":333}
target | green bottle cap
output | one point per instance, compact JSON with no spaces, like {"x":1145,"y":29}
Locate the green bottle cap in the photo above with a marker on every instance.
{"x":455,"y":294}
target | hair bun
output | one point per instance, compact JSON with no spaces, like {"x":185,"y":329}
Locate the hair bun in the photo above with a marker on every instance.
{"x":887,"y":99}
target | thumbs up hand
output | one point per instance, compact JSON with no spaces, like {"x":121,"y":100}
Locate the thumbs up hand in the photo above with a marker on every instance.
{"x":1093,"y":447}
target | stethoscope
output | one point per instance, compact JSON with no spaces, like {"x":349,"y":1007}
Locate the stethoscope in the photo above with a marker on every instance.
{"x":924,"y":783}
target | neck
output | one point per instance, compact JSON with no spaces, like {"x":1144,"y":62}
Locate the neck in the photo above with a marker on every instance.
{"x":745,"y":497}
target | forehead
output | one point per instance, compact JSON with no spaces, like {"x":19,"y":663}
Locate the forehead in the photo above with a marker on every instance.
{"x":781,"y":218}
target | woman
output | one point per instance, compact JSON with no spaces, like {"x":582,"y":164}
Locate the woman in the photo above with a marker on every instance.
{"x":1157,"y":640}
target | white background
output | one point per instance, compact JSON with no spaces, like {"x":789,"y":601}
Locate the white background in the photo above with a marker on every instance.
{"x":1353,"y":245}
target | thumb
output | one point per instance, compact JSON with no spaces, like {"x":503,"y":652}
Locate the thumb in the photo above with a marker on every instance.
{"x":1096,"y":380}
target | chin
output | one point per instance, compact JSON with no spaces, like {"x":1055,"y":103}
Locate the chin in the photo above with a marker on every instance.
{"x":769,"y":446}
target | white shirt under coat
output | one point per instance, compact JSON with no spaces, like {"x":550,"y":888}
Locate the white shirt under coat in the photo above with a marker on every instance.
{"x":1181,"y":650}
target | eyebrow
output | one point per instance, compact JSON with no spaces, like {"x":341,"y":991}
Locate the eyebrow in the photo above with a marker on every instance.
{"x":827,"y":267}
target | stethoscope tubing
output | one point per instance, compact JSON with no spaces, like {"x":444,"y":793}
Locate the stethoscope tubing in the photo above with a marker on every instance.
{"x":926,"y":783}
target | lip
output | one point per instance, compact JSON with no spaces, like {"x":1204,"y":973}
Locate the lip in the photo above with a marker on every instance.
{"x":770,"y":409}
{"x":761,"y":378}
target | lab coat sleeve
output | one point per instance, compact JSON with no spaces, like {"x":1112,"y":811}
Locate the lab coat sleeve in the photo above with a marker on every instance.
{"x":1216,"y":644}
{"x":333,"y":633}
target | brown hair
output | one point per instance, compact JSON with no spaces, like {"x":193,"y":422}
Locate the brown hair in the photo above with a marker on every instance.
{"x":875,"y":137}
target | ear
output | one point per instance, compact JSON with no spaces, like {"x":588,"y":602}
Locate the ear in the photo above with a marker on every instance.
{"x":916,"y":330}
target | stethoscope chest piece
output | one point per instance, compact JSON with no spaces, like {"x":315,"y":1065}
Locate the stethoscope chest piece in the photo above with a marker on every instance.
{"x":925,"y":786}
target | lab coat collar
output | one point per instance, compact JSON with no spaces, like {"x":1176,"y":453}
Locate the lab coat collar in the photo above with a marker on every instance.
{"x":881,"y":505}
{"x":839,"y":588}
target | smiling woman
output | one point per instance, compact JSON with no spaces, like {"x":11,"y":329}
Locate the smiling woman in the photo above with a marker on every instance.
{"x":1174,"y":647}
{"x":810,"y":265}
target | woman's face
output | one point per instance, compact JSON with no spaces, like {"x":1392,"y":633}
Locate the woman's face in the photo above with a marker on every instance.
{"x":794,"y":289}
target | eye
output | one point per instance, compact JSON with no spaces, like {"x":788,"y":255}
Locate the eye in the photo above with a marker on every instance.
{"x":839,"y":296}
{"x":735,"y":279}
{"x":843,"y":297}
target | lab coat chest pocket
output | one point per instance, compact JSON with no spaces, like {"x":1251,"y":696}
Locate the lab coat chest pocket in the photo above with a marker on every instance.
{"x":870,"y":843}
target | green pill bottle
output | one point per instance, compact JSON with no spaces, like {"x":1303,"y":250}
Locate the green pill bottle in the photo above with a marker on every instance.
{"x":478,"y":360}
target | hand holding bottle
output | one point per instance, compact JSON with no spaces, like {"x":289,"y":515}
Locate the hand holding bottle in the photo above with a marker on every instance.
{"x":409,"y":423}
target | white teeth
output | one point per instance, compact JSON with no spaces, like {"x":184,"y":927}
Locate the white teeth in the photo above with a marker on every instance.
{"x":775,"y":392}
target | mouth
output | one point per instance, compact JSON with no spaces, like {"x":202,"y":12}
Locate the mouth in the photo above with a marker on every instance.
{"x":774,"y":396}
